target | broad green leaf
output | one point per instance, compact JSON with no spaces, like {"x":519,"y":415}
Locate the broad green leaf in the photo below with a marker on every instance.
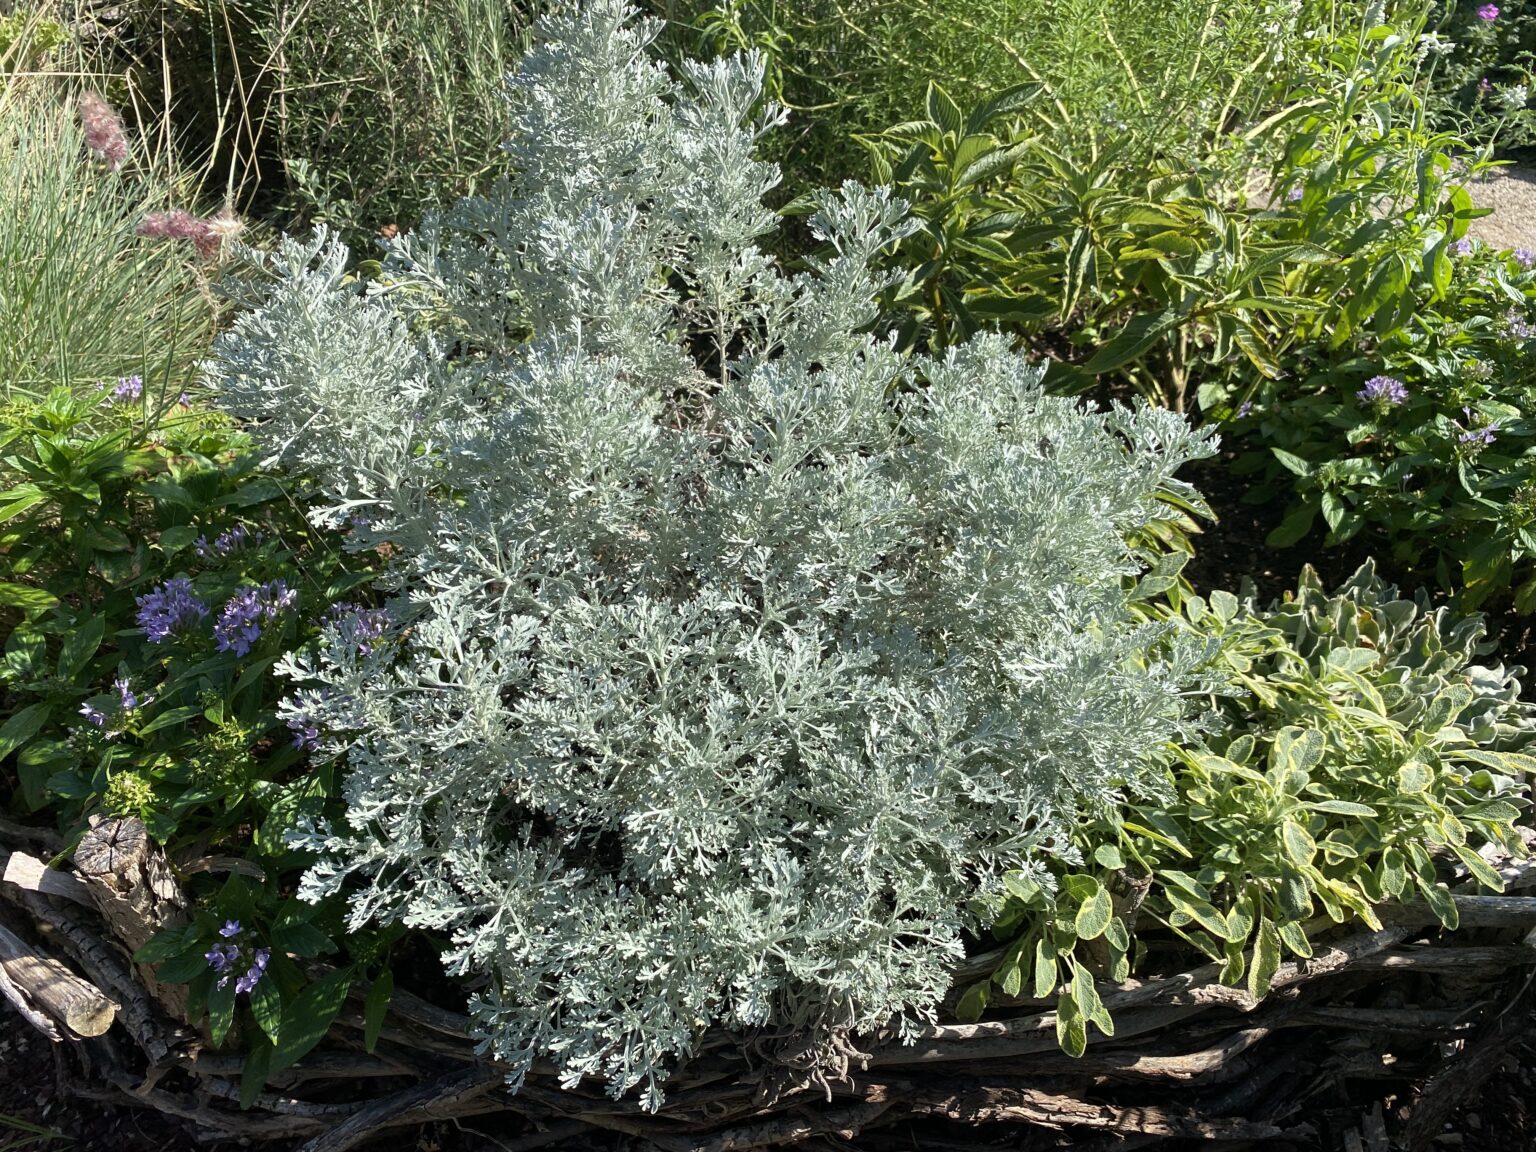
{"x":1071,"y":1027}
{"x":253,"y":1078}
{"x":30,"y":600}
{"x":1298,"y":843}
{"x":301,"y":939}
{"x":221,"y":1008}
{"x":1294,"y":938}
{"x":970,"y":1006}
{"x":1108,"y":856}
{"x":1414,"y":777}
{"x":1481,"y":870}
{"x":1266,"y":959}
{"x":22,"y":726}
{"x":1086,"y":996}
{"x":1094,"y":916}
{"x":267,"y":1007}
{"x":1047,"y":975}
{"x":80,"y":645}
{"x":308,"y":1016}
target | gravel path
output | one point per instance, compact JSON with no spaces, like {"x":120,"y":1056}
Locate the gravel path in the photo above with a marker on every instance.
{"x":1511,"y":193}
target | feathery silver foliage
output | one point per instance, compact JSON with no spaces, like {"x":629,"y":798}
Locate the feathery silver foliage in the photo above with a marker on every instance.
{"x":737,"y":657}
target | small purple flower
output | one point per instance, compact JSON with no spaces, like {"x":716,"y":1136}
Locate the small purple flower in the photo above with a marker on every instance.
{"x":1488,"y":13}
{"x":1525,"y":258}
{"x":125,"y":694}
{"x":1243,"y":409}
{"x":128,"y":388}
{"x":236,"y":629}
{"x":169,"y":609}
{"x":1485,"y":85}
{"x":1516,"y":326}
{"x":1476,"y":437}
{"x":306,"y":735}
{"x":254,"y":973}
{"x":365,"y":628}
{"x":93,"y":715}
{"x":220,"y":957}
{"x":1462,"y":247}
{"x":276,"y":598}
{"x":231,"y":928}
{"x":184,"y":400}
{"x":1383,"y":391}
{"x":230,"y":541}
{"x":1296,"y":193}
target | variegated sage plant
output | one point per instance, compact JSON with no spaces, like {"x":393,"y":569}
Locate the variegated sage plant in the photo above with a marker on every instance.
{"x":735,"y":657}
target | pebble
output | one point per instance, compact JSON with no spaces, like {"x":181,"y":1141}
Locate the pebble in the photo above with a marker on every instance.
{"x":1473,"y":1121}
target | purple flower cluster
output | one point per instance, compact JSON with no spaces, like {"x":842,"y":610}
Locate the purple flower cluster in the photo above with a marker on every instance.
{"x":169,"y":609}
{"x":1525,"y":258}
{"x":365,"y":628}
{"x":238,"y":627}
{"x":1488,"y":13}
{"x":127,"y":701}
{"x":226,"y":542}
{"x":222,"y":957}
{"x":306,"y":735}
{"x":1476,"y":437}
{"x":1516,"y":326}
{"x":1462,"y":247}
{"x":1384,"y":391}
{"x":128,"y":388}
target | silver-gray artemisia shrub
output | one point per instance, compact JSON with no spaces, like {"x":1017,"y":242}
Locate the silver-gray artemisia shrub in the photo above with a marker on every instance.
{"x":734,"y":656}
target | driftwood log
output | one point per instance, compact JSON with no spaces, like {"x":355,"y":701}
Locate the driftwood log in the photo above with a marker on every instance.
{"x":1191,"y":1059}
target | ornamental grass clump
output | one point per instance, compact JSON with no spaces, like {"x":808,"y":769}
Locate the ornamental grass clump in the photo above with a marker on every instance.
{"x":733,"y":658}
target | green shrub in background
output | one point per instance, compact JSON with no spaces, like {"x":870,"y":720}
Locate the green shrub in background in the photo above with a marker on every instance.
{"x":388,"y":108}
{"x":1358,"y":754}
{"x":1481,"y":81}
{"x":360,"y":113}
{"x":1183,"y":280}
{"x":151,"y":574}
{"x":1132,"y":78}
{"x":1271,"y":301}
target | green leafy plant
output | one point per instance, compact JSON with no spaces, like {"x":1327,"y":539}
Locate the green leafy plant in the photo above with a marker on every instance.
{"x":1146,"y":77}
{"x":1420,"y":441}
{"x":1174,"y":279}
{"x":1480,"y":82}
{"x":1357,"y":755}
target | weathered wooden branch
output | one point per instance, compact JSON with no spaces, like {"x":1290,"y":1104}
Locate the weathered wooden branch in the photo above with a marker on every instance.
{"x":418,"y":1101}
{"x":1237,"y":1061}
{"x":32,"y":874}
{"x":53,"y":988}
{"x":131,"y":883}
